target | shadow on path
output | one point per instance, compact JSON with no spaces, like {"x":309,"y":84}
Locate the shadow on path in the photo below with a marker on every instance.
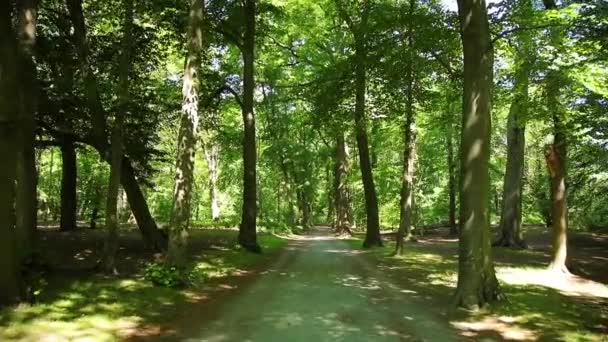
{"x":319,"y":289}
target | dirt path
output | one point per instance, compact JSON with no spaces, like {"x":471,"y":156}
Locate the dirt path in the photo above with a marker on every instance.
{"x":322,"y":290}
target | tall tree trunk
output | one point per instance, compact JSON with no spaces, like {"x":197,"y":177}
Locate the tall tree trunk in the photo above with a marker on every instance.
{"x":9,"y":143}
{"x":95,"y":208}
{"x":372,"y":233}
{"x":556,"y":156}
{"x":247,"y":230}
{"x":27,"y":178}
{"x":212,"y":156}
{"x":409,"y":152}
{"x":511,"y":217}
{"x":184,"y":175}
{"x":68,"y":185}
{"x":150,"y":232}
{"x":559,"y":208}
{"x":116,"y":150}
{"x":331,"y":195}
{"x":451,"y":171}
{"x":477,"y":283}
{"x":342,"y":196}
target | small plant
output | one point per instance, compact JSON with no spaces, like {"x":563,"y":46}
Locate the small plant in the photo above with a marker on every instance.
{"x":171,"y":277}
{"x":163,"y":275}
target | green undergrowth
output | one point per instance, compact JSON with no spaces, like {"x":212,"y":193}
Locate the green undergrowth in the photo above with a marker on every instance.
{"x":98,"y":308}
{"x":428,"y":272}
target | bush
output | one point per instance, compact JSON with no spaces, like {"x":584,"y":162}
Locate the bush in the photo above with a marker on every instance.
{"x":162,"y":275}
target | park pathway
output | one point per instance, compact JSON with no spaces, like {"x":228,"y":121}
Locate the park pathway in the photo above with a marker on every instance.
{"x":320,"y":289}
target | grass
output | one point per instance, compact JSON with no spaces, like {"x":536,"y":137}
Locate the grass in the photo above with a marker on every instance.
{"x":535,"y":309}
{"x":96,"y":308}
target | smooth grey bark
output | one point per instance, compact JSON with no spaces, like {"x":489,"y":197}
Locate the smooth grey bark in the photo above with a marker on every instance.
{"x":184,"y":173}
{"x":68,"y":185}
{"x":511,"y":215}
{"x":27,"y":177}
{"x":9,"y":143}
{"x":247,"y":230}
{"x":116,"y":149}
{"x":477,"y":283}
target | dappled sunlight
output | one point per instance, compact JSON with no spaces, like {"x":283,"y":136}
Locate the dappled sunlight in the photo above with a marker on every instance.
{"x":570,"y":285}
{"x":505,"y":327}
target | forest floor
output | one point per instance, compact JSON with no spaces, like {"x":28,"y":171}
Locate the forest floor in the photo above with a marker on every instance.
{"x":314,"y":286}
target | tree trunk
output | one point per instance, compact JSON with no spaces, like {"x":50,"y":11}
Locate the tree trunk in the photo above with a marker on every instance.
{"x":137,"y":201}
{"x":153,"y":237}
{"x":98,"y":124}
{"x":477,"y":283}
{"x":511,"y":217}
{"x":331,"y":196}
{"x":372,"y":233}
{"x":68,"y":185}
{"x":409,"y":152}
{"x":95,"y":209}
{"x":451,"y":173}
{"x":341,"y":190}
{"x":27,"y":177}
{"x":247,"y":230}
{"x":116,"y":150}
{"x":212,"y":156}
{"x":559,"y":208}
{"x":556,"y":156}
{"x":184,"y":175}
{"x":9,"y":143}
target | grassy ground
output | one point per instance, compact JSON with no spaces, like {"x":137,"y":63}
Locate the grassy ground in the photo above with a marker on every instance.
{"x":78,"y":304}
{"x":539,"y":306}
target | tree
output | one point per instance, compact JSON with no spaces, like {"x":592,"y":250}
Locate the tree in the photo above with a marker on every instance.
{"x":68,"y":184}
{"x":409,"y":154}
{"x":451,"y":161}
{"x":556,"y":157}
{"x":477,"y":283}
{"x":116,"y":150}
{"x":358,"y":28}
{"x":97,"y":136}
{"x":9,"y":143}
{"x":184,"y":174}
{"x":247,"y":230}
{"x":342,"y":196}
{"x":27,"y":201}
{"x":511,"y":215}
